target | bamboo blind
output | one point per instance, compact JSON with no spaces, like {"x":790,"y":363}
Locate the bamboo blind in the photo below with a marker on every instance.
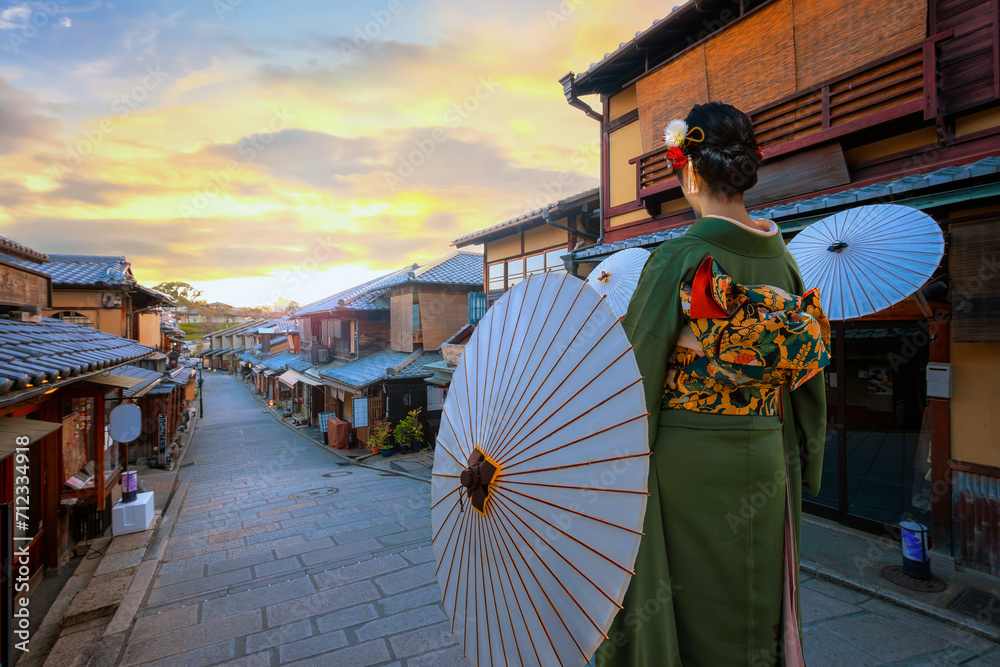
{"x":669,"y":93}
{"x":753,"y":62}
{"x":401,"y":328}
{"x":788,"y":46}
{"x":441,"y":315}
{"x":834,"y":36}
{"x":974,"y":269}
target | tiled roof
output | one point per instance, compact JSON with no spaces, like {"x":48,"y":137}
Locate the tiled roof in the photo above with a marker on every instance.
{"x":163,"y":388}
{"x":149,"y":380}
{"x":367,"y":296}
{"x":317,"y":371}
{"x":15,"y":249}
{"x":43,"y":352}
{"x":284,"y":360}
{"x":478,"y":237}
{"x":879,"y":191}
{"x":677,"y":35}
{"x":283,"y":325}
{"x":458,"y":268}
{"x":85,"y":270}
{"x":821,"y":205}
{"x":245,"y":327}
{"x":644,"y":241}
{"x":373,"y":368}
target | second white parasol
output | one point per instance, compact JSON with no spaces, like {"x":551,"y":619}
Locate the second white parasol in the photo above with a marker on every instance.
{"x":539,"y":482}
{"x":869,"y":258}
{"x":617,"y":277}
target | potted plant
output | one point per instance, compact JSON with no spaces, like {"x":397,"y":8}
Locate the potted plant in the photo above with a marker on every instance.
{"x":378,"y":437}
{"x":410,"y":430}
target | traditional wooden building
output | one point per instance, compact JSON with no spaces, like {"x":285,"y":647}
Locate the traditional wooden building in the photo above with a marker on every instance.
{"x":101,"y":292}
{"x":371,"y":342}
{"x":58,"y":384}
{"x":854,"y":102}
{"x":342,"y":328}
{"x":535,"y":242}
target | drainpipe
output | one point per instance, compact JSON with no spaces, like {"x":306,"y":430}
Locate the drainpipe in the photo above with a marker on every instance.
{"x":568,"y":82}
{"x":574,"y":101}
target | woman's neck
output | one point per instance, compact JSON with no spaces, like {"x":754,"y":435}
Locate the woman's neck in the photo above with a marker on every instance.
{"x":733,"y":210}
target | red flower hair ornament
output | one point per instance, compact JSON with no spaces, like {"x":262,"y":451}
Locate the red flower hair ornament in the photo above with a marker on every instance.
{"x":676,"y":136}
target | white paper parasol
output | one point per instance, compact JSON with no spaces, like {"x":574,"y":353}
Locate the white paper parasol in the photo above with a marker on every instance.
{"x":617,"y":276}
{"x":869,"y":258}
{"x":539,"y":486}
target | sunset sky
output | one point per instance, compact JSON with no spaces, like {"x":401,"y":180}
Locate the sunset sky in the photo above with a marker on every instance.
{"x":264,"y":150}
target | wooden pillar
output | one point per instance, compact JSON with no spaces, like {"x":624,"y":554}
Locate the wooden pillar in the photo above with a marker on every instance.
{"x":51,"y":465}
{"x":940,"y":412}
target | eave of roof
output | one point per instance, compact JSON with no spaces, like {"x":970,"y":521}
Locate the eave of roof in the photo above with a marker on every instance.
{"x":689,"y":23}
{"x":529,"y":219}
{"x":14,"y":249}
{"x":364,"y":372}
{"x":355,"y":297}
{"x":798,"y":214}
{"x":51,"y":353}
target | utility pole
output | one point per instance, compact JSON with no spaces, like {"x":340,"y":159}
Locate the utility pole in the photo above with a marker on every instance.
{"x":201,"y":394}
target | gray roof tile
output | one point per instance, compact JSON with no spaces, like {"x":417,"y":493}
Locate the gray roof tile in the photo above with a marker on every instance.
{"x":371,"y":369}
{"x":458,"y":268}
{"x":42,"y":352}
{"x":84,"y":270}
{"x":366,"y":296}
{"x":148,"y":377}
{"x":15,"y":249}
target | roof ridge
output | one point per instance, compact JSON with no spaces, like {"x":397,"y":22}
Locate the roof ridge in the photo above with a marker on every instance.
{"x":434,"y":262}
{"x":416,"y":354}
{"x":527,"y":216}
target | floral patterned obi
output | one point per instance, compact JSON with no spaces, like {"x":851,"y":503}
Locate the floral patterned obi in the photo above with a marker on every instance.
{"x":753,"y":340}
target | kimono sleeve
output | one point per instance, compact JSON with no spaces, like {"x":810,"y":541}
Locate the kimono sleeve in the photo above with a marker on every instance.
{"x":809,"y":413}
{"x":653,"y":323}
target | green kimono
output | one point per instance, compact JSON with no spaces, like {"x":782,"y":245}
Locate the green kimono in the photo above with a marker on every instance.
{"x":708,"y":582}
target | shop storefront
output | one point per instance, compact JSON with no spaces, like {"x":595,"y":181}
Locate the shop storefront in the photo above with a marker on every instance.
{"x":876,"y":467}
{"x":89,"y":464}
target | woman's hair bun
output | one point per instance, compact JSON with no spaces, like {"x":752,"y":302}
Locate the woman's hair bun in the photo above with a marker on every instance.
{"x":728,"y":158}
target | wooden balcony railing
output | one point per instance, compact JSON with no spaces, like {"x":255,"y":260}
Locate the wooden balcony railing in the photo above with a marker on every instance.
{"x":892,"y":87}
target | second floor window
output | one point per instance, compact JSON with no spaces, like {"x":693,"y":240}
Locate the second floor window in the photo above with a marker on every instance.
{"x":501,"y":276}
{"x":74,"y":317}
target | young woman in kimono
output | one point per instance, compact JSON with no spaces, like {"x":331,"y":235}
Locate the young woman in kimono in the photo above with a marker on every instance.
{"x":722,"y":338}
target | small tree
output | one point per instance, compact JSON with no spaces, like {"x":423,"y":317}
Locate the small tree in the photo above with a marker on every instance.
{"x":183,"y":293}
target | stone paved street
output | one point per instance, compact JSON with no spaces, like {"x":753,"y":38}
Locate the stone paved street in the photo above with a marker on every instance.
{"x":280,"y":555}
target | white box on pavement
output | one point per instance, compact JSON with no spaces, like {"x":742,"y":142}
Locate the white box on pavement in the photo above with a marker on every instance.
{"x":134,"y":516}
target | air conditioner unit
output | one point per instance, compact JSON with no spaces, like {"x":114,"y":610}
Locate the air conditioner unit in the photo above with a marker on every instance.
{"x":111,"y":299}
{"x":324,"y":355}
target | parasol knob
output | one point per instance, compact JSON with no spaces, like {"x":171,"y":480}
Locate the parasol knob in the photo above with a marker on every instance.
{"x":605,"y":275}
{"x":837,"y":246}
{"x":476,"y":479}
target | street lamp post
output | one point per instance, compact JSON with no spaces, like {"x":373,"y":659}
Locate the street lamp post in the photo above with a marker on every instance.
{"x":201,"y":395}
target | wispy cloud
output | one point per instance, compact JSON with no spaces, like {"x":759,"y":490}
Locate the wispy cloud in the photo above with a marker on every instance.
{"x":475,"y":153}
